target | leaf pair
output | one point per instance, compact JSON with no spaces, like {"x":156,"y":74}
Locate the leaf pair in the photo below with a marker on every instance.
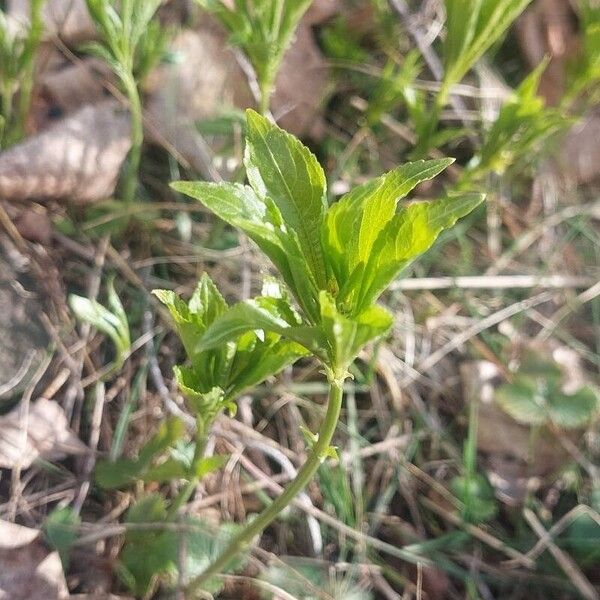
{"x":368,"y":243}
{"x":335,"y":261}
{"x":217,"y":375}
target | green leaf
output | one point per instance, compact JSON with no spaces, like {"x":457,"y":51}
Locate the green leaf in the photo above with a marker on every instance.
{"x":410,"y":233}
{"x":473,"y":26}
{"x":191,"y":319}
{"x":148,"y":553}
{"x":538,"y":400}
{"x":169,"y":432}
{"x":477,"y":495}
{"x":125,"y":471}
{"x":281,"y":168}
{"x":251,"y":316}
{"x":520,"y":401}
{"x":262,"y":221}
{"x":346,"y":336}
{"x":354,"y":223}
{"x":111,"y":475}
{"x":60,"y":529}
{"x":210,"y":464}
{"x":112,"y":323}
{"x":253,"y":366}
{"x":573,"y":410}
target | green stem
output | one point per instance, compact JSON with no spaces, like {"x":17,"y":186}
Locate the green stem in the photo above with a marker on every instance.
{"x":269,"y":514}
{"x":137,"y":139}
{"x":266,"y":88}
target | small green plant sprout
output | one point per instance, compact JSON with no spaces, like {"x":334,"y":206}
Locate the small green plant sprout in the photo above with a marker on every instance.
{"x":335,"y":262}
{"x":17,"y":63}
{"x":111,"y":321}
{"x":585,"y":73}
{"x":132,"y":42}
{"x":524,"y":125}
{"x":215,"y":377}
{"x":263,"y":29}
{"x":149,"y":555}
{"x":540,"y":394}
{"x":472,"y":28}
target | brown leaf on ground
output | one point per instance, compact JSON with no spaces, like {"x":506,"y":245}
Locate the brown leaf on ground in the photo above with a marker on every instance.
{"x":548,"y":28}
{"x":69,"y":86}
{"x":33,"y":223}
{"x":68,"y":19}
{"x":580,"y":150}
{"x":78,"y":159}
{"x":48,"y":435}
{"x":300,"y":86}
{"x":28,"y":571}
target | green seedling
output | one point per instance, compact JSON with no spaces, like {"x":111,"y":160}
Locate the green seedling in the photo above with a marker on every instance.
{"x":333,"y":261}
{"x":585,"y":73}
{"x":472,"y":28}
{"x":524,"y":125}
{"x":111,"y":321}
{"x":158,"y":548}
{"x":17,"y":63}
{"x":132,"y":42}
{"x":263,"y":29}
{"x":165,"y":457}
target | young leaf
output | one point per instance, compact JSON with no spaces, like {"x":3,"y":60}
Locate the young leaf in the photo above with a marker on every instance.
{"x":281,"y":168}
{"x":251,"y":316}
{"x":410,"y":233}
{"x":110,"y":322}
{"x":347,"y":336}
{"x":262,"y":222}
{"x":473,"y":26}
{"x":353,"y":224}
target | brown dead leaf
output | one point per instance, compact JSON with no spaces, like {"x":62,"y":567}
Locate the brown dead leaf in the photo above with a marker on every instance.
{"x":300,"y":86}
{"x":68,"y":19}
{"x":79,"y":158}
{"x":548,"y":28}
{"x":580,"y":150}
{"x":73,"y":85}
{"x":48,"y":435}
{"x":28,"y":571}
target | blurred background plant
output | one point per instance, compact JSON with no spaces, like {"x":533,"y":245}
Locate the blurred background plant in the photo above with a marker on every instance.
{"x":18,"y":47}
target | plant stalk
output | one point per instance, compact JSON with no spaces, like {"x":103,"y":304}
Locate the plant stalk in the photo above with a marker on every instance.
{"x":137,"y":139}
{"x":269,"y":514}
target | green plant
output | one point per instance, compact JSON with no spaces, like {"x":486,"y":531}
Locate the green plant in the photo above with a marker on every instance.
{"x":264,"y":30}
{"x":17,"y":64}
{"x":110,"y":321}
{"x":132,"y":41}
{"x":472,"y":28}
{"x":335,"y":262}
{"x":523,"y":126}
{"x":540,"y":394}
